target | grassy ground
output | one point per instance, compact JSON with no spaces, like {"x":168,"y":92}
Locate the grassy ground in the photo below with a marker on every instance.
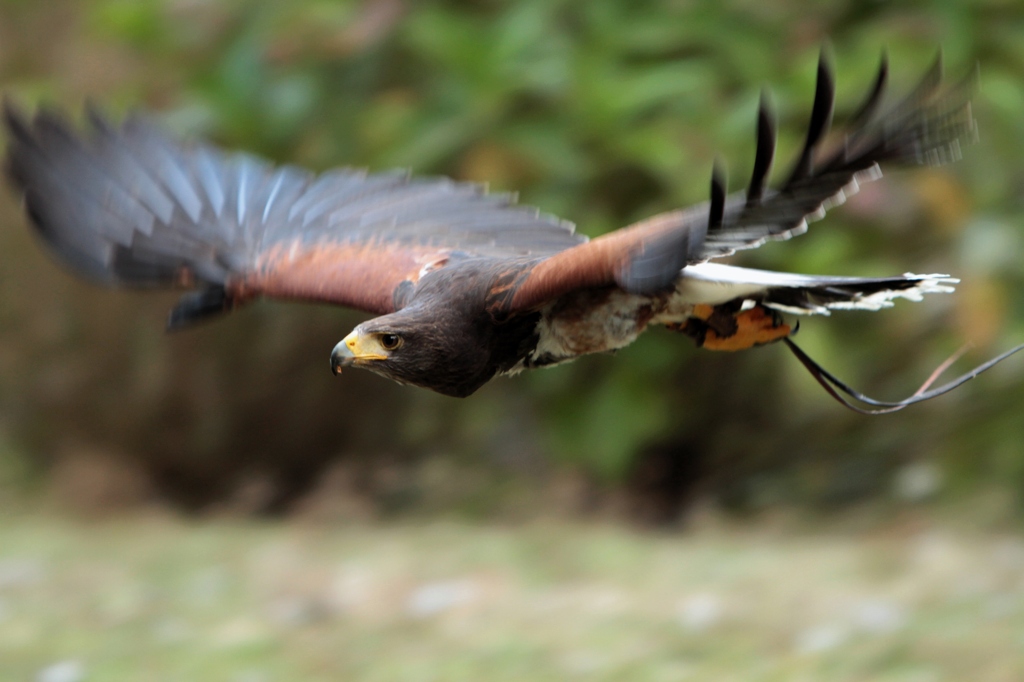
{"x":158,"y":598}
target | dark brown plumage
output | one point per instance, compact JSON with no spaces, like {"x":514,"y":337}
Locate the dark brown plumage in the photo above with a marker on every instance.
{"x":465,"y":284}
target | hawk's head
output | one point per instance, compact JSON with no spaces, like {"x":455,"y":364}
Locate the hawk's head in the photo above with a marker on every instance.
{"x":428,"y":346}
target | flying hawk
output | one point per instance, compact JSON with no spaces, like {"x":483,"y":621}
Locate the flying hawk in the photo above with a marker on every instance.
{"x":466,"y":285}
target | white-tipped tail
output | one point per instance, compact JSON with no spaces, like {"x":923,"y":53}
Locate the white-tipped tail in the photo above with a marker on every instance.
{"x":715,"y":283}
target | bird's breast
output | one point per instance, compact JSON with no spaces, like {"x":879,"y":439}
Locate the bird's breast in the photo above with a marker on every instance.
{"x":591,"y":321}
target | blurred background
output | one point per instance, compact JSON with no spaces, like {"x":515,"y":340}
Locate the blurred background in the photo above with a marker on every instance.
{"x":629,"y":517}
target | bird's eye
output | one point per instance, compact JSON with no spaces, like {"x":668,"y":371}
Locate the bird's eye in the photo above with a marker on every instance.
{"x":390,"y":341}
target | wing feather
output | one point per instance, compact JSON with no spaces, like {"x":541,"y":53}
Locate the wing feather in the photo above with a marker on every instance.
{"x":926,"y":127}
{"x":128,"y":205}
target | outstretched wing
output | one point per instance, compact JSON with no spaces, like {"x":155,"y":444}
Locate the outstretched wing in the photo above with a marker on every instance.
{"x":927,"y":127}
{"x":127,"y":205}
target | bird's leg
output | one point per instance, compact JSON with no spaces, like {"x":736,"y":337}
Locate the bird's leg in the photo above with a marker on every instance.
{"x":728,"y":327}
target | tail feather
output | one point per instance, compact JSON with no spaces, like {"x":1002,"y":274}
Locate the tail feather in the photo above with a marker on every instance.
{"x":714,"y":283}
{"x":859,"y":294}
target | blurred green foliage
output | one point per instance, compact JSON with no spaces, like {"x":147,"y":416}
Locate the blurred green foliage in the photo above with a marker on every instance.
{"x":601,"y":112}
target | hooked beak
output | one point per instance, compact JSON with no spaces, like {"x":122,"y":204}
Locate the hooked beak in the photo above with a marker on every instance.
{"x":355,"y":348}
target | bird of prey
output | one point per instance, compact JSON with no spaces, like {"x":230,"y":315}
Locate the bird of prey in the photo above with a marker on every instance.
{"x":467,"y":285}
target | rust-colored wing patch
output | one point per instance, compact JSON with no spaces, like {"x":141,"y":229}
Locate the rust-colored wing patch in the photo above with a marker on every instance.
{"x":362,"y":275}
{"x":609,"y":258}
